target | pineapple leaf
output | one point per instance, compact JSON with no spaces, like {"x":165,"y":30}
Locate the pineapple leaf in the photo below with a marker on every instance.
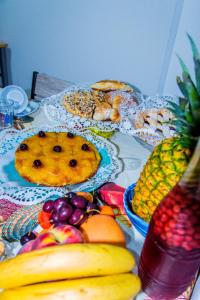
{"x":174,"y":105}
{"x":195,"y":51}
{"x":187,"y":120}
{"x":187,"y":143}
{"x":183,"y":66}
{"x":189,"y":90}
{"x":196,"y":58}
{"x":182,"y":102}
{"x":183,"y":128}
{"x":179,"y":123}
{"x":197,"y":74}
{"x":188,"y":115}
{"x":182,"y":87}
{"x":193,"y":96}
{"x":176,"y":109}
{"x":173,"y":110}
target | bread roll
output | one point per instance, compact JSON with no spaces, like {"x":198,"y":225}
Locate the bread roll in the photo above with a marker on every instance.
{"x":102,"y":114}
{"x":111,"y":85}
{"x":115,"y":116}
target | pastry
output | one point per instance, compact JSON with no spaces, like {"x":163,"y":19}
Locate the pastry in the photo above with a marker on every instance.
{"x":111,"y":85}
{"x":81,"y":103}
{"x":102,"y":113}
{"x":157,"y":120}
{"x":114,"y":100}
{"x":93,"y":105}
{"x":115,"y":115}
{"x":56,"y":159}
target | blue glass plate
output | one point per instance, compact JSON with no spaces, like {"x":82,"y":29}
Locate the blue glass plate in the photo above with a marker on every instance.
{"x":17,"y":95}
{"x":138,"y":223}
{"x":31,"y":108}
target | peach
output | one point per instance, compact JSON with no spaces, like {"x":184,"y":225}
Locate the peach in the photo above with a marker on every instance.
{"x":63,"y":234}
{"x":67,"y":234}
{"x":44,"y":240}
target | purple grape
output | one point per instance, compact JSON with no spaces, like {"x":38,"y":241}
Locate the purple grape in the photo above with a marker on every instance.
{"x":60,"y":202}
{"x":65,"y":212}
{"x":76,"y":217}
{"x":70,"y":195}
{"x":27,"y":237}
{"x":48,"y":206}
{"x":54,"y":218}
{"x":92,"y":208}
{"x":59,"y":224}
{"x":79,"y":202}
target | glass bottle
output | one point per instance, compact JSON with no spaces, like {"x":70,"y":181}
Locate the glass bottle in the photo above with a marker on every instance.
{"x":6,"y":113}
{"x":170,"y":257}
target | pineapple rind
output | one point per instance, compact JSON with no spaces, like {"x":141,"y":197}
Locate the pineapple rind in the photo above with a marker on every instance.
{"x":170,"y":158}
{"x":162,"y":171}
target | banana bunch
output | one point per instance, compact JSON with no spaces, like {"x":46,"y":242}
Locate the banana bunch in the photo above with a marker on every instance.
{"x":70,"y":272}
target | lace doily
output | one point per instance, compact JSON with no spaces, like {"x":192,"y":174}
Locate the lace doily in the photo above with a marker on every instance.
{"x":147,"y":137}
{"x":55,"y":111}
{"x":15,"y":189}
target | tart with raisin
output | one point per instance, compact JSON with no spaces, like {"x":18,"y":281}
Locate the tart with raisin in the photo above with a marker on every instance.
{"x":56,"y":159}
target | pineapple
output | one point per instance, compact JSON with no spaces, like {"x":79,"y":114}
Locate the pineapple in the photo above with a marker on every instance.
{"x":170,"y":158}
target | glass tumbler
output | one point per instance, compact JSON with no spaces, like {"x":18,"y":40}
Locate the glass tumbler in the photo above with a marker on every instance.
{"x":6,"y":113}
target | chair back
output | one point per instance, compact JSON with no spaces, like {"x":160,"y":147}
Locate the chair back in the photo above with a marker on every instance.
{"x":44,"y":85}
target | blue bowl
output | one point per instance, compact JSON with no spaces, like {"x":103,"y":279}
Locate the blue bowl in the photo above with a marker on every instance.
{"x":138,"y":223}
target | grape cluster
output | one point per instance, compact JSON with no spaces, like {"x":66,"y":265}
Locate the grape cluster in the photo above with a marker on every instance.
{"x":71,"y":209}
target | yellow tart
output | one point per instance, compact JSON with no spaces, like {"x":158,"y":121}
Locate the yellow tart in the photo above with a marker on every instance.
{"x":56,"y":159}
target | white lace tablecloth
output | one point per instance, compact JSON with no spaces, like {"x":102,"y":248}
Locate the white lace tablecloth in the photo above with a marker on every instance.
{"x":134,"y":156}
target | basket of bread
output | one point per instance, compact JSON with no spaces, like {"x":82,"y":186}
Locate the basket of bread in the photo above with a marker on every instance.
{"x":92,"y":105}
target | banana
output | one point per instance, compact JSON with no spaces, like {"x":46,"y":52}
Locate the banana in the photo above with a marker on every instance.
{"x":113,"y":287}
{"x":65,"y":262}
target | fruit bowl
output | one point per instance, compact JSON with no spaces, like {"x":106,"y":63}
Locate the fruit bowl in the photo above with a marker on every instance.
{"x":137,"y":222}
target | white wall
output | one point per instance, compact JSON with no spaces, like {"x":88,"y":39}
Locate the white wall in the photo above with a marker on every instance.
{"x":88,"y":40}
{"x":189,"y":22}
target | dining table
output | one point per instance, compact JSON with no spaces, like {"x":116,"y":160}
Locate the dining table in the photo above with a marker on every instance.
{"x":134,"y":155}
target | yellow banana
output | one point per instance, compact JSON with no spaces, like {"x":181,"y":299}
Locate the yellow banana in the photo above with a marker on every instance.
{"x":65,"y":262}
{"x":113,"y":287}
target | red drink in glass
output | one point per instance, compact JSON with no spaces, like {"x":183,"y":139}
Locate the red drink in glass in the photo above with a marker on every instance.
{"x":170,"y":257}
